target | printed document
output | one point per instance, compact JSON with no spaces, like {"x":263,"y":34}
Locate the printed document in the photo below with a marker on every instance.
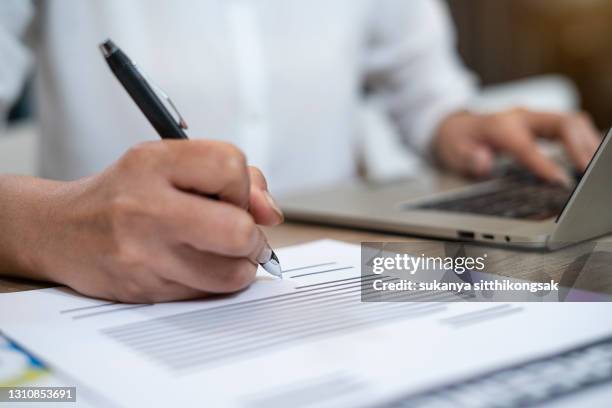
{"x":307,"y":340}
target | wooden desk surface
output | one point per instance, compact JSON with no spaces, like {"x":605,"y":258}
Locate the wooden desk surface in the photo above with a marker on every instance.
{"x":292,"y":234}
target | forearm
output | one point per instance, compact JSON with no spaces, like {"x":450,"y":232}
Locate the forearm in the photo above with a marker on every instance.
{"x":25,"y":224}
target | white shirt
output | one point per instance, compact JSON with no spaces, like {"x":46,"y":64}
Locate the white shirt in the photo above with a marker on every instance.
{"x":282,"y":79}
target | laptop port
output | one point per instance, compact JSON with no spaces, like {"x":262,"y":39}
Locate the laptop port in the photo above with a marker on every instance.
{"x":489,"y":237}
{"x":466,"y":235}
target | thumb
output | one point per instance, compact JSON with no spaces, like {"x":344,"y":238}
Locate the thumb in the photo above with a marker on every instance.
{"x":466,"y":156}
{"x":480,"y":161}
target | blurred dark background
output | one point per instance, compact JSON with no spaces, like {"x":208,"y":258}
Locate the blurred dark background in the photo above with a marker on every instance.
{"x":503,"y":40}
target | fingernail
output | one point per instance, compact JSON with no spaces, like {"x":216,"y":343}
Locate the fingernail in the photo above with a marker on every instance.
{"x":274,"y":206}
{"x":265,"y":255}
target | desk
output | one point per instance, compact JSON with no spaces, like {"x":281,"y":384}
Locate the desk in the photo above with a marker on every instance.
{"x":293,"y":234}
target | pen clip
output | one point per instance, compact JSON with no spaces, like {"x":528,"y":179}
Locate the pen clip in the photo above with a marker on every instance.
{"x":181,"y":122}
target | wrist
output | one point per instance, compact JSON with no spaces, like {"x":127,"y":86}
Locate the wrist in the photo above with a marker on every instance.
{"x":27,"y":213}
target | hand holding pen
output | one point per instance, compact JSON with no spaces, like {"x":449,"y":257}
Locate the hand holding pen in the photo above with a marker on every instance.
{"x":147,"y":96}
{"x":170,"y":220}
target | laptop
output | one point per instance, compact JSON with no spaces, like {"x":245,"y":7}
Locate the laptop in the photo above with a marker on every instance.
{"x":515,"y":209}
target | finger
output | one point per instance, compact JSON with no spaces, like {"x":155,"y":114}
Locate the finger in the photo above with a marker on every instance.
{"x":170,"y":291}
{"x":164,"y":291}
{"x":519,"y":142}
{"x":543,"y":124}
{"x":480,"y":161}
{"x":208,"y":225}
{"x":576,"y":131}
{"x":211,"y":273}
{"x":208,"y":167}
{"x":144,"y":286}
{"x":262,"y":206}
{"x":258,"y":180}
{"x":468,"y":157}
{"x":581,"y":140}
{"x":264,"y":209}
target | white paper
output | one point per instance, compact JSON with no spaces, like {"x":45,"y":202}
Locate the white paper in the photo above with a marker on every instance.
{"x":306,"y":340}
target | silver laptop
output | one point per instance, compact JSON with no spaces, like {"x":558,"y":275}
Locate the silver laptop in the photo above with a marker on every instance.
{"x":515,"y":209}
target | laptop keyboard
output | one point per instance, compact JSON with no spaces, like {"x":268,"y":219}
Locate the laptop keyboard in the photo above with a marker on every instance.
{"x":525,"y":385}
{"x":518,"y":196}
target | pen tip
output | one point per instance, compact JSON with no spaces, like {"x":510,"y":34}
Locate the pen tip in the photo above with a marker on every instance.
{"x":277,"y":262}
{"x":269,"y":261}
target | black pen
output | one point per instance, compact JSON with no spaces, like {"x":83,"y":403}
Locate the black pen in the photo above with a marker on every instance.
{"x":146,"y":98}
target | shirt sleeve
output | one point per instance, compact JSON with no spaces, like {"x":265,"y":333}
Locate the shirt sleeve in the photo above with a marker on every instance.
{"x":411,"y":63}
{"x":15,"y":17}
